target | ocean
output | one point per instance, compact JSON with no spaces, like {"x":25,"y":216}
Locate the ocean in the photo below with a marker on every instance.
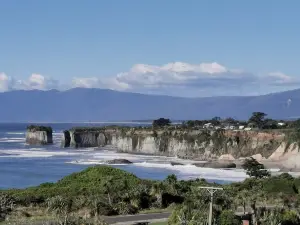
{"x":23,"y":166}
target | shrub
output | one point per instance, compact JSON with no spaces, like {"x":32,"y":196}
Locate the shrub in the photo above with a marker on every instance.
{"x":255,"y":169}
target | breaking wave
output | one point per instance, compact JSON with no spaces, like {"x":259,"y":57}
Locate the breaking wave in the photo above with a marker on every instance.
{"x":33,"y":153}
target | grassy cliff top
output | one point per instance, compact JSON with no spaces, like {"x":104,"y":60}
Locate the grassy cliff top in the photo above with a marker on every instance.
{"x":111,"y":127}
{"x":34,"y":128}
{"x":93,"y":180}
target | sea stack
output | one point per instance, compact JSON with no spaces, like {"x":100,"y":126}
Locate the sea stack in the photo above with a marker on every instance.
{"x":39,"y":135}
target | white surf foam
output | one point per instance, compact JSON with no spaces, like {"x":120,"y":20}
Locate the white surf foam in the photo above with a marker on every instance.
{"x":86,"y":162}
{"x":15,"y":133}
{"x":109,"y":155}
{"x":186,"y":171}
{"x":17,"y":153}
{"x":8,"y":140}
{"x":190,"y":171}
{"x":93,"y":162}
{"x":14,"y":138}
{"x":11,"y":140}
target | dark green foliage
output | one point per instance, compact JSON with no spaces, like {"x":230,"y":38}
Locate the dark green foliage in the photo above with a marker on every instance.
{"x":6,"y":205}
{"x":161,"y":122}
{"x":296,"y":124}
{"x":105,"y":190}
{"x":216,"y":121}
{"x":258,"y":119}
{"x":270,"y":124}
{"x":91,"y":181}
{"x":227,"y":217}
{"x":255,"y":169}
{"x":33,"y":128}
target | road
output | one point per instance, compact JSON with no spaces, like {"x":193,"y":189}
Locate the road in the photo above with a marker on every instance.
{"x":131,"y":219}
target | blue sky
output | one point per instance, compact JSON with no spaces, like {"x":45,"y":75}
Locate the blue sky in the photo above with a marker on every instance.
{"x":186,"y":48}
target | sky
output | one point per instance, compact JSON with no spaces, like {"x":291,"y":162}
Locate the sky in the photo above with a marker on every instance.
{"x":191,"y":48}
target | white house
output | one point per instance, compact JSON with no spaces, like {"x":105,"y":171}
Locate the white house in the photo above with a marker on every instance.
{"x":207,"y":125}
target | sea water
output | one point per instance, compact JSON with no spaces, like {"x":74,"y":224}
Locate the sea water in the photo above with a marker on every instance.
{"x":23,"y":166}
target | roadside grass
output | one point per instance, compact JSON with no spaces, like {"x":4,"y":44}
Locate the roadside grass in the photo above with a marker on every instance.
{"x":153,"y":210}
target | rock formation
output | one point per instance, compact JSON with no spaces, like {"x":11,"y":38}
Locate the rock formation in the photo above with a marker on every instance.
{"x":182,"y":143}
{"x":39,"y":135}
{"x":119,"y":161}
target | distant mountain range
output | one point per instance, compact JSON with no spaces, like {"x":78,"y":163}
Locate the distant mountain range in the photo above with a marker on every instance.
{"x":83,"y":105}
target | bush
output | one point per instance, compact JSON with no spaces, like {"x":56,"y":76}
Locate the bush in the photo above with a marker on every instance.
{"x":255,"y":169}
{"x":228,"y":217}
{"x":161,"y":122}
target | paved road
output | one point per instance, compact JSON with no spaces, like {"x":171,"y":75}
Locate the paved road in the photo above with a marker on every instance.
{"x":130,"y":219}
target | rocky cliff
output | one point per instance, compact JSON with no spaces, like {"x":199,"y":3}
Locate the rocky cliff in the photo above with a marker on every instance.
{"x":84,"y":138}
{"x":39,"y":135}
{"x":191,"y":144}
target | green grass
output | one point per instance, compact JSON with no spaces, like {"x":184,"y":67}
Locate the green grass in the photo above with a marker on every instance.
{"x":90,"y":181}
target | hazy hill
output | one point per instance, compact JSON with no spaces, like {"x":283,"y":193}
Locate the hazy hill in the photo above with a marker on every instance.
{"x":79,"y":104}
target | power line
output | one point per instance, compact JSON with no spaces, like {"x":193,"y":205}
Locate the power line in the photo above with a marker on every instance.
{"x":211,"y":190}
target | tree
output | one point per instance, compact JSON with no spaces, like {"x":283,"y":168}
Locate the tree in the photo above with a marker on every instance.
{"x":255,"y":169}
{"x":161,"y":122}
{"x":258,"y":119}
{"x":227,"y":217}
{"x":241,"y":199}
{"x":230,"y":121}
{"x":171,"y":183}
{"x":157,"y":190}
{"x":270,"y":124}
{"x":216,"y":121}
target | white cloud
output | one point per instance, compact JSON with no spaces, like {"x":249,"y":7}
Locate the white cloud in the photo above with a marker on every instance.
{"x":35,"y":81}
{"x":185,"y":79}
{"x":38,"y":82}
{"x":6,"y":82}
{"x":278,"y":78}
{"x":179,"y":73}
{"x":94,"y":82}
{"x":178,"y":78}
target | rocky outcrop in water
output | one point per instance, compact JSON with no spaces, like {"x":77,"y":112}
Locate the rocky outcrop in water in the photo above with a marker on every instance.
{"x":39,"y":135}
{"x":118,"y":161}
{"x":216,"y":165}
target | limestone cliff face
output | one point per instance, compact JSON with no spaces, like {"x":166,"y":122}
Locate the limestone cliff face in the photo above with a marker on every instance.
{"x":80,"y":139}
{"x":38,"y":138}
{"x":192,"y":144}
{"x":201,"y":145}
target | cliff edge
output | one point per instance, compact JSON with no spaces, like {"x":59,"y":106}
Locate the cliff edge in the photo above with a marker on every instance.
{"x":186,"y":143}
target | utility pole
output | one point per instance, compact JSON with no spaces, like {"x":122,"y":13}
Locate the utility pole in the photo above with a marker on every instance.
{"x":211,"y":190}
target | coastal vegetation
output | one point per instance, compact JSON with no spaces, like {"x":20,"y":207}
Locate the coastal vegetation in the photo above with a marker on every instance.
{"x":161,"y":122}
{"x":104,"y":190}
{"x":34,"y":128}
